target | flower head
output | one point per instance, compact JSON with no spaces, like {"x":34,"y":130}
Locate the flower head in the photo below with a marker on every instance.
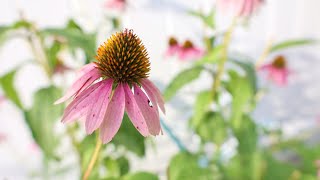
{"x":277,"y":70}
{"x":243,"y":8}
{"x":103,"y":91}
{"x":186,"y":51}
{"x":116,"y":4}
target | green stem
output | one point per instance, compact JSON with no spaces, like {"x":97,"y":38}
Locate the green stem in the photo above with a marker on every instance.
{"x":224,"y":57}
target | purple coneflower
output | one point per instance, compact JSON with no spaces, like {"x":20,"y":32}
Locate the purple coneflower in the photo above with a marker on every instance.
{"x":189,"y":51}
{"x":277,"y":70}
{"x":103,"y":92}
{"x":243,"y":8}
{"x":116,"y":4}
{"x":173,"y":47}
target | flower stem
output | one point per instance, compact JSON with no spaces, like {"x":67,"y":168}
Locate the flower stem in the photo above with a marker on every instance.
{"x":93,"y":159}
{"x":174,"y":138}
{"x":224,"y":57}
{"x":264,"y":53}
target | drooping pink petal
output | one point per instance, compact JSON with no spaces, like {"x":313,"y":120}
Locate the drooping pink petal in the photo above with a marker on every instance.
{"x":87,"y":78}
{"x":96,"y":113}
{"x":150,"y":114}
{"x":79,"y":106}
{"x":150,"y":87}
{"x":134,"y":112}
{"x":115,"y":4}
{"x":113,"y":117}
{"x":190,"y":53}
{"x":172,"y":50}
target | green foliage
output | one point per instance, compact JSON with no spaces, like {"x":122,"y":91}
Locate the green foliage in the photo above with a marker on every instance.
{"x":52,"y":53}
{"x":208,"y":20}
{"x":42,"y":117}
{"x":185,"y":166}
{"x":212,"y":128}
{"x":212,"y":57}
{"x":141,"y":176}
{"x":7,"y":84}
{"x":292,"y":43}
{"x":75,"y":39}
{"x":246,"y":135}
{"x":116,"y":167}
{"x":183,"y":78}
{"x":200,"y":107}
{"x":130,"y":138}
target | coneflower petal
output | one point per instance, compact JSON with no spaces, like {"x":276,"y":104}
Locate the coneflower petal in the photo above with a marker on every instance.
{"x":87,"y":78}
{"x":151,"y":115}
{"x":97,"y":111}
{"x":149,"y":85}
{"x":134,"y":112}
{"x":113,"y":117}
{"x":81,"y":103}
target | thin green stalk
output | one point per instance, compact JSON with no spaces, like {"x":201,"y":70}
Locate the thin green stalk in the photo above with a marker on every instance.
{"x":224,"y":57}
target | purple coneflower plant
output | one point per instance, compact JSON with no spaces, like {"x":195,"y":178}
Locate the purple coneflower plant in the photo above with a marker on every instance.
{"x":115,"y":83}
{"x":186,"y":51}
{"x":277,"y":71}
{"x":242,"y":8}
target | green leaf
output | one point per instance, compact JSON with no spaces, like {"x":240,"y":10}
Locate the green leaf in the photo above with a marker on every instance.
{"x":116,"y":167}
{"x":292,"y":43}
{"x":242,"y":93}
{"x":186,"y":166}
{"x":42,"y":117}
{"x":246,"y":135}
{"x":212,"y":57}
{"x":201,"y":105}
{"x":130,"y":138}
{"x":73,"y":25}
{"x":250,"y":70}
{"x":209,"y":19}
{"x":76,"y":39}
{"x":212,"y":128}
{"x":183,"y":78}
{"x":7,"y":84}
{"x":52,"y":53}
{"x":141,"y":176}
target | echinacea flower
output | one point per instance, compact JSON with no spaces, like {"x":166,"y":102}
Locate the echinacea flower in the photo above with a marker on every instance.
{"x":277,"y":70}
{"x":242,"y":8}
{"x":189,"y":51}
{"x":103,"y":92}
{"x":173,"y":47}
{"x":116,"y":4}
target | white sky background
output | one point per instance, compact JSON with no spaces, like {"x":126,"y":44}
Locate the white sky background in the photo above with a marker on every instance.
{"x":153,"y":21}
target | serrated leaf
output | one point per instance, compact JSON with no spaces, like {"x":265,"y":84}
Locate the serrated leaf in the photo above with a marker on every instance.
{"x":42,"y":117}
{"x":130,"y":138}
{"x":7,"y":84}
{"x":183,"y":78}
{"x":292,"y":43}
{"x":141,"y":176}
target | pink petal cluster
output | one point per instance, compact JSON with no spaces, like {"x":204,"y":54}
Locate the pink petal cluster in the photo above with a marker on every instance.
{"x":243,"y":8}
{"x":277,"y":74}
{"x":103,"y":107}
{"x":115,"y":4}
{"x":183,"y":52}
{"x":2,"y":99}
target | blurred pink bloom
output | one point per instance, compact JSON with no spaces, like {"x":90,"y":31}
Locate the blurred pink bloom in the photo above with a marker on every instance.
{"x":277,"y":71}
{"x":61,"y":68}
{"x":3,"y":137}
{"x":116,"y":4}
{"x":173,"y":47}
{"x":103,"y":92}
{"x":189,"y":51}
{"x":239,"y":7}
{"x":2,"y":99}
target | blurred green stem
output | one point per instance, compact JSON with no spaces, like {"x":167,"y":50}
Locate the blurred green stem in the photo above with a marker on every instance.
{"x":224,"y":57}
{"x":93,"y":160}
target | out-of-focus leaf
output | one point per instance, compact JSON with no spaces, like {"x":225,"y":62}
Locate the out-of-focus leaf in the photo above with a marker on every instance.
{"x":277,"y":170}
{"x":292,"y":43}
{"x":141,"y":176}
{"x":21,"y":24}
{"x":209,"y":19}
{"x":212,"y":128}
{"x":242,"y":93}
{"x":116,"y":167}
{"x":52,"y":53}
{"x":251,"y":74}
{"x":201,"y":105}
{"x":246,"y":135}
{"x":73,"y":25}
{"x":7,"y":84}
{"x":212,"y":57}
{"x":183,"y":78}
{"x":186,"y":166}
{"x":42,"y":117}
{"x":76,"y":39}
{"x":130,"y":138}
